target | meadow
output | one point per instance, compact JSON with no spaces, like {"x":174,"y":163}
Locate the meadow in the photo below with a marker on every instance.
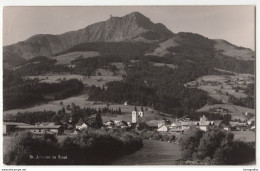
{"x":68,"y":57}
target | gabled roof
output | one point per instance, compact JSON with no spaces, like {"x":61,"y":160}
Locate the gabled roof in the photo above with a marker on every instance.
{"x":15,"y":123}
{"x":38,"y":127}
{"x":176,"y":124}
{"x":233,"y":124}
{"x":80,"y":123}
{"x":204,"y":123}
{"x":186,"y":123}
{"x":252,"y":119}
{"x":154,"y":123}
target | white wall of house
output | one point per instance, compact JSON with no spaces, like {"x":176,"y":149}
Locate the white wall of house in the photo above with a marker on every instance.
{"x":203,"y":128}
{"x":4,"y":129}
{"x":83,"y":126}
{"x":163,"y":129}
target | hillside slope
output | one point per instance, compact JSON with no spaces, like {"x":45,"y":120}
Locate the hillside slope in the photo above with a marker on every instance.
{"x":198,"y":41}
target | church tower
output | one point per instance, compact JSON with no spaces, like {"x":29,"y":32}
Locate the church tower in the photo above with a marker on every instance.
{"x":134,"y":117}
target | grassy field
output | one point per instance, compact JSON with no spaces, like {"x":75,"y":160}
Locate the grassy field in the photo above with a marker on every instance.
{"x":161,"y":50}
{"x":87,"y":80}
{"x":229,"y":50}
{"x":6,"y":143}
{"x":235,"y":111}
{"x":248,"y":136}
{"x":153,"y":153}
{"x":82,"y":101}
{"x":56,"y":78}
{"x":218,"y":92}
{"x":68,"y":57}
{"x":163,"y":65}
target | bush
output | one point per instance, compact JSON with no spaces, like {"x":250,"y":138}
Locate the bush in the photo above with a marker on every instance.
{"x":189,"y":143}
{"x":236,"y":152}
{"x":211,"y":141}
{"x":25,"y":147}
{"x":89,"y":147}
{"x":215,"y":147}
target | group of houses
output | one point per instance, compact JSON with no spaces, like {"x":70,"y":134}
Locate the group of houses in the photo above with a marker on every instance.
{"x":181,"y":125}
{"x":51,"y":128}
{"x":178,"y":126}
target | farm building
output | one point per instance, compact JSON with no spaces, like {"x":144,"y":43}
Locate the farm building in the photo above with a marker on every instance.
{"x":204,"y":124}
{"x":186,"y":125}
{"x":52,"y":129}
{"x":176,"y":125}
{"x":154,"y":124}
{"x":81,"y":125}
{"x":9,"y":127}
{"x":163,"y":128}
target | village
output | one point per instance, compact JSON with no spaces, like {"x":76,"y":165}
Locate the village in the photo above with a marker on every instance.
{"x":138,"y":121}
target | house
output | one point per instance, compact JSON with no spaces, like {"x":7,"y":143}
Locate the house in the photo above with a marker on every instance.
{"x":153,"y":124}
{"x":186,"y":125}
{"x":176,"y":125}
{"x":251,"y":121}
{"x":220,"y":109}
{"x":75,"y":132}
{"x":227,"y":128}
{"x":81,"y":125}
{"x":233,"y":125}
{"x":121,"y":124}
{"x":9,"y":127}
{"x":109,"y":123}
{"x":204,"y":125}
{"x":68,"y":126}
{"x":163,"y":128}
{"x":126,"y":103}
{"x":36,"y":129}
{"x":217,"y":123}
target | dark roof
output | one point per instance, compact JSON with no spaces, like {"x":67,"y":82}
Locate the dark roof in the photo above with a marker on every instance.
{"x":39,"y":127}
{"x":154,"y":123}
{"x":80,"y":123}
{"x":15,"y":123}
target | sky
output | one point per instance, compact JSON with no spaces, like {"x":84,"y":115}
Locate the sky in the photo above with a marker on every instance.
{"x":235,"y":24}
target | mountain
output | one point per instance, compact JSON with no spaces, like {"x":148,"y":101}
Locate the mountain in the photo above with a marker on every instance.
{"x":131,"y":27}
{"x":192,"y":40}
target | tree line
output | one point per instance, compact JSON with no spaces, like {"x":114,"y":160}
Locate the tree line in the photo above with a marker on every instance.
{"x":27,"y":93}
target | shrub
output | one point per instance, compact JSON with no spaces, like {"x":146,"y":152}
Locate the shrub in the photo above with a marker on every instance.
{"x":25,"y":147}
{"x":211,"y":141}
{"x":189,"y":143}
{"x":215,"y":147}
{"x":88,"y":147}
{"x":236,"y":152}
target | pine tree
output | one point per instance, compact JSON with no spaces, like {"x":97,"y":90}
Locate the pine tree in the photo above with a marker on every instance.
{"x":98,"y":121}
{"x":119,"y":111}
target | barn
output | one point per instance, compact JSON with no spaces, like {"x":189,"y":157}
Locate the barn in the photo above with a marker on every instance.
{"x":9,"y":127}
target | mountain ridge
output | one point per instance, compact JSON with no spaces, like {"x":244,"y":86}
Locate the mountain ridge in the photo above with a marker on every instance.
{"x":131,"y":27}
{"x":126,"y":28}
